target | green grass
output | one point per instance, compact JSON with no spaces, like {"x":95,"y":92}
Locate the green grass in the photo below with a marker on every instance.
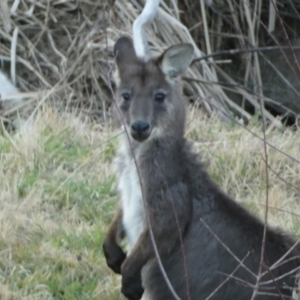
{"x":58,"y":195}
{"x":67,"y":207}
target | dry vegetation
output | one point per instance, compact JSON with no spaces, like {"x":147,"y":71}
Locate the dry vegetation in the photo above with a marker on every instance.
{"x":61,"y":51}
{"x":57,"y":190}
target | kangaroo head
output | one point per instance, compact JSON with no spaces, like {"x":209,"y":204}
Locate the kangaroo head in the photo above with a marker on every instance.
{"x":146,"y":91}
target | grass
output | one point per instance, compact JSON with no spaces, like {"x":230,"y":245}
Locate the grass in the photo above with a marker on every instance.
{"x":58,"y":194}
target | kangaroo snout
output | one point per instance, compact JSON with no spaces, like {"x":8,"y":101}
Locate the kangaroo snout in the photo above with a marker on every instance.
{"x":140,"y":130}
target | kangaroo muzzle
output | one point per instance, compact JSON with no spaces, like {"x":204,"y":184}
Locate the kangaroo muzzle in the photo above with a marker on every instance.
{"x":140,"y":130}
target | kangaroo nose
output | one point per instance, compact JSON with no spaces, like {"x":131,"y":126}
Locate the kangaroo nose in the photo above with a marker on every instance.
{"x":140,"y":126}
{"x":140,"y":130}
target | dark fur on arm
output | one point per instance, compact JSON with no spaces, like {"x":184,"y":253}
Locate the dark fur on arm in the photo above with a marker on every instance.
{"x":113,"y":252}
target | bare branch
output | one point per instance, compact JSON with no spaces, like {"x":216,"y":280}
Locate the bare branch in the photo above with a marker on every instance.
{"x":138,"y":28}
{"x":228,"y":277}
{"x":229,"y":251}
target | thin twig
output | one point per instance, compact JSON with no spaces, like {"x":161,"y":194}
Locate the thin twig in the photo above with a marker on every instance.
{"x":242,"y":51}
{"x":228,"y":278}
{"x":180,"y":236}
{"x":257,"y":136}
{"x":229,"y":251}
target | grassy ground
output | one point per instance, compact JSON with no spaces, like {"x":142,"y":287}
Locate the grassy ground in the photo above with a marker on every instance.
{"x":58,"y":193}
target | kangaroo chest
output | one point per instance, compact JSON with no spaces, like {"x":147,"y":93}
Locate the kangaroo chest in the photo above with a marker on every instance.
{"x":131,"y":198}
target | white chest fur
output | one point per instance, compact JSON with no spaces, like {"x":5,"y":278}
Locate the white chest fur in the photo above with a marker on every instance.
{"x":131,"y":196}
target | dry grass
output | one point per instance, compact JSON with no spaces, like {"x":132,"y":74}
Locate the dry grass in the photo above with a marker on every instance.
{"x":58,"y":193}
{"x":65,"y":49}
{"x":57,"y":196}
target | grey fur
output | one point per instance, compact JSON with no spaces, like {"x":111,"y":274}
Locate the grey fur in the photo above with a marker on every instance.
{"x":179,"y":193}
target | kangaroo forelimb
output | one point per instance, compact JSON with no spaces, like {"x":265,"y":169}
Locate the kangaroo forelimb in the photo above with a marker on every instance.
{"x":113,"y":252}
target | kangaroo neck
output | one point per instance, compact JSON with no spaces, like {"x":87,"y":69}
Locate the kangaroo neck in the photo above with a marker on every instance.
{"x":164,"y":148}
{"x":161,"y":163}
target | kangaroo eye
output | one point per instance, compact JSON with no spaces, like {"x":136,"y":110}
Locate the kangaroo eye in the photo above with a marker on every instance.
{"x":126,"y":96}
{"x":160,"y":97}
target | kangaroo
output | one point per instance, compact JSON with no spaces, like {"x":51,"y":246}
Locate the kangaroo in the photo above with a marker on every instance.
{"x":186,"y":239}
{"x":209,"y":246}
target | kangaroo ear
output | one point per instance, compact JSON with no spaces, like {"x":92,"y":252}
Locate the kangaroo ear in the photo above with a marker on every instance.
{"x":124,"y":52}
{"x":176,"y":59}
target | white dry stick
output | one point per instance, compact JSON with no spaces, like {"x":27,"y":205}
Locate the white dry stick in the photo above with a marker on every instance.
{"x":138,"y":29}
{"x":14,"y":7}
{"x":5,"y":15}
{"x":272,"y":16}
{"x":13,"y":50}
{"x":8,"y":89}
